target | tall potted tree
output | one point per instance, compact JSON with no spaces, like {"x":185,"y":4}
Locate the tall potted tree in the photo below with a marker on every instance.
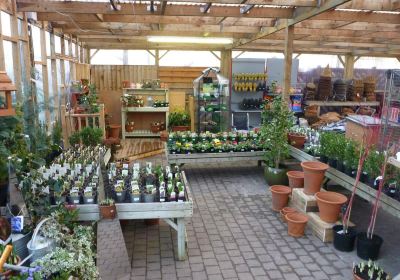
{"x":277,"y":118}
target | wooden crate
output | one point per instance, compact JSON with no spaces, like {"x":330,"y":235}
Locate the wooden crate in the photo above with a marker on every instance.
{"x":303,"y":202}
{"x":321,"y":229}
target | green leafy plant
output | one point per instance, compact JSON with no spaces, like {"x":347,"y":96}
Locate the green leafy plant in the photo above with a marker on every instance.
{"x":91,"y":136}
{"x":277,"y":119}
{"x":370,"y":270}
{"x":89,"y":100}
{"x":351,"y":155}
{"x":107,"y":202}
{"x":373,"y":163}
{"x":75,"y":138}
{"x":178,"y":118}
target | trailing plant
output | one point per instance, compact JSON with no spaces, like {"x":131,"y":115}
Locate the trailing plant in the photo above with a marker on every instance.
{"x":277,"y":119}
{"x":178,"y":117}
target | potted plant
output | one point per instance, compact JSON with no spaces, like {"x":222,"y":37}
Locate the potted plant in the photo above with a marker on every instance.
{"x":129,"y":126}
{"x":372,"y":167}
{"x":277,"y":119}
{"x":351,"y":157}
{"x":120,"y":191}
{"x":107,"y":209}
{"x":179,"y":120}
{"x":91,"y":136}
{"x":135,"y":193}
{"x":155,"y":127}
{"x":369,"y":271}
{"x":297,"y":136}
{"x":149,"y":193}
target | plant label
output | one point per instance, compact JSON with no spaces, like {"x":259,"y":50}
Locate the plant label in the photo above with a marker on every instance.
{"x":17,"y":224}
{"x":125,"y":172}
{"x":125,"y":166}
{"x":136,"y":166}
{"x":67,"y":165}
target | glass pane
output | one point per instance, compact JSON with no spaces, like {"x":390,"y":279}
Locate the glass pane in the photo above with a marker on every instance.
{"x":36,"y":43}
{"x":57,"y":44}
{"x":190,"y":58}
{"x":66,"y":47}
{"x":73,"y":49}
{"x":140,"y":57}
{"x":377,"y":62}
{"x":5,"y":23}
{"x":8,"y":54}
{"x":48,"y":50}
{"x":39,"y":93}
{"x":312,"y":61}
{"x":51,"y":93}
{"x":108,"y":57}
{"x":67,"y":74}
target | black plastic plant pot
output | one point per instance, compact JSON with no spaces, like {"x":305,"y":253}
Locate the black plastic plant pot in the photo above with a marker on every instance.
{"x":332,"y":162}
{"x":324,"y":159}
{"x":348,"y":170}
{"x":344,"y":242}
{"x":368,"y":249}
{"x":340,"y":166}
{"x":364,"y":177}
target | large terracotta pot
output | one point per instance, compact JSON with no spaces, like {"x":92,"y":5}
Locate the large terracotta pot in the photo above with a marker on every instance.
{"x":285,"y":211}
{"x":296,"y":179}
{"x":296,"y":140}
{"x":329,"y":204}
{"x":280,"y":196}
{"x":296,"y":223}
{"x":314,"y":173}
{"x":114,"y":130}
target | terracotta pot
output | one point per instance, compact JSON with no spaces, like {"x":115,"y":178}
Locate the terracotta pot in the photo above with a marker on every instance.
{"x":296,"y":140}
{"x":296,"y":179}
{"x":280,"y":196}
{"x":114,"y":130}
{"x":181,"y":128}
{"x":296,"y":223}
{"x":314,"y":173}
{"x":329,"y":204}
{"x":108,"y":212}
{"x":155,"y":128}
{"x":285,"y":211}
{"x":129,"y":127}
{"x":164,"y":136}
{"x":355,"y":276}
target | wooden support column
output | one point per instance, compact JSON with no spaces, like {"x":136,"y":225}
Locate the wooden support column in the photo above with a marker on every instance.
{"x":226,"y":63}
{"x":2,"y":61}
{"x":87,"y":55}
{"x":55,"y":88}
{"x":45,"y":74}
{"x":63,"y":84}
{"x":287,"y":75}
{"x":26,"y":77}
{"x":77,"y":52}
{"x":348,"y":67}
{"x":16,"y":57}
{"x":81,"y":58}
{"x":72,"y":73}
{"x":157,"y":61}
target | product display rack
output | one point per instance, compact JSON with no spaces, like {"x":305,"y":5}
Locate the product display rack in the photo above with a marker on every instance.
{"x":211,"y":91}
{"x":147,"y":112}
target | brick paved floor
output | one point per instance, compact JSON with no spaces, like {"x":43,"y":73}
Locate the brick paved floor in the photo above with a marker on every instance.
{"x":233,"y":235}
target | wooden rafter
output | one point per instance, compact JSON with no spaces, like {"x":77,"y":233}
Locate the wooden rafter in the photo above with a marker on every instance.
{"x":330,"y":4}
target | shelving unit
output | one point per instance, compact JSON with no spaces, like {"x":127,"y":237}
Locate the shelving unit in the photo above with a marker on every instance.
{"x":340,"y":104}
{"x":148,"y":113}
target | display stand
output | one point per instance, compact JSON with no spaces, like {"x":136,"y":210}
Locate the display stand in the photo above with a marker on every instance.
{"x":211,"y":91}
{"x":340,"y":104}
{"x":143,"y":116}
{"x":173,"y":213}
{"x":389,"y":204}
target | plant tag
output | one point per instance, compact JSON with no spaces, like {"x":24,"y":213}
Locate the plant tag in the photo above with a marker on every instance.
{"x":148,"y":167}
{"x":125,"y":172}
{"x":89,"y":168}
{"x":125,"y":166}
{"x":136,"y":166}
{"x":93,"y":185}
{"x":67,"y":165}
{"x":78,"y":166}
{"x":135,"y":186}
{"x":46,"y":190}
{"x":17,"y":224}
{"x":95,"y":178}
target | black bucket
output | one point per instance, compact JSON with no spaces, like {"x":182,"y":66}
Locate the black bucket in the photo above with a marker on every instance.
{"x":368,"y":249}
{"x":344,"y":242}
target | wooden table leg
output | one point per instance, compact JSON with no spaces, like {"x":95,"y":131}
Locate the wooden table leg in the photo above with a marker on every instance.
{"x":181,"y":239}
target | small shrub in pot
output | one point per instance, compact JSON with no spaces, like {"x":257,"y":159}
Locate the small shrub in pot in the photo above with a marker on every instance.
{"x":107,"y":209}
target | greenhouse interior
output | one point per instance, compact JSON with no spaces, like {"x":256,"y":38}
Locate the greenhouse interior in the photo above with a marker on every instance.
{"x":199,"y":139}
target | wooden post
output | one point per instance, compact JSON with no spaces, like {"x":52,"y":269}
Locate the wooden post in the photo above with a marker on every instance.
{"x":181,"y":239}
{"x":16,"y":57}
{"x":2,"y":61}
{"x":63,"y":85}
{"x":81,"y":58}
{"x":72,"y":72}
{"x":45,"y":73}
{"x":102,"y":122}
{"x":287,"y":75}
{"x":26,"y":77}
{"x":348,"y":67}
{"x":87,"y":55}
{"x":55,"y":88}
{"x":226,"y":63}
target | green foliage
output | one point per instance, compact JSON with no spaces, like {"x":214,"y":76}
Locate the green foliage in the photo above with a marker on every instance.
{"x":107,"y":202}
{"x":373,"y":163}
{"x":277,"y":120}
{"x":178,"y":118}
{"x":89,"y":100}
{"x":75,"y":138}
{"x":333,"y":145}
{"x":351,"y":155}
{"x":91,"y":136}
{"x":56,"y":133}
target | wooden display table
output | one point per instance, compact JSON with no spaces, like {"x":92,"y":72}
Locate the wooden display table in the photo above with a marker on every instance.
{"x":389,"y":204}
{"x":214,"y":157}
{"x":173,"y":213}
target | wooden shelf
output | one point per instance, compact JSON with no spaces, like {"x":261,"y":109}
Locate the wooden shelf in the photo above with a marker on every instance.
{"x":341,"y":103}
{"x":142,"y":133}
{"x":146,"y":109}
{"x":141,"y":91}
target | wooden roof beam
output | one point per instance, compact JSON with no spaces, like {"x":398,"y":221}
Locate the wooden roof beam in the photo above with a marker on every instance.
{"x":329,"y":4}
{"x":205,"y":8}
{"x":115,"y":5}
{"x":141,"y":9}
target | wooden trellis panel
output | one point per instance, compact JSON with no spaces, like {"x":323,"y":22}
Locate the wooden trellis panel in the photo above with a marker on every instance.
{"x":110,"y":77}
{"x":179,"y":78}
{"x":82,"y":71}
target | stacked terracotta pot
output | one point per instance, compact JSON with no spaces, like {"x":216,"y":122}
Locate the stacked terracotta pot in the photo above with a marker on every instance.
{"x":329,"y":203}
